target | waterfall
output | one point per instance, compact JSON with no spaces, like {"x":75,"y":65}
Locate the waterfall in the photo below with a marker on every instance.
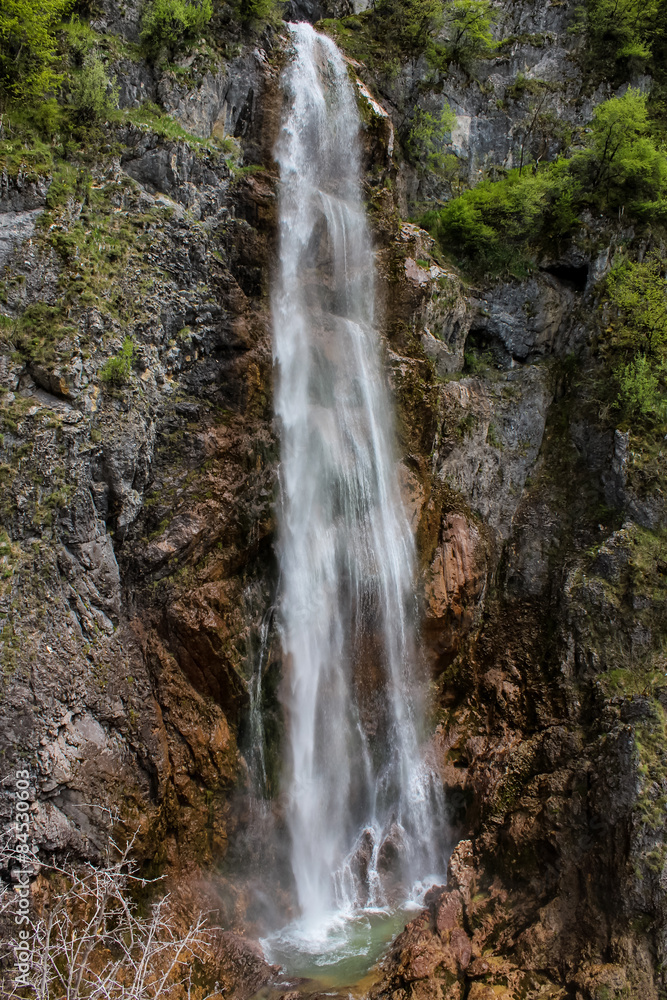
{"x":360,"y":800}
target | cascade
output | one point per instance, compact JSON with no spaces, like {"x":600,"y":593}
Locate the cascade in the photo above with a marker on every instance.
{"x":362,"y":805}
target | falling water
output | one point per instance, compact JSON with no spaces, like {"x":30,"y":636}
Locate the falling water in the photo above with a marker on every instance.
{"x":255,"y":719}
{"x":361,"y":801}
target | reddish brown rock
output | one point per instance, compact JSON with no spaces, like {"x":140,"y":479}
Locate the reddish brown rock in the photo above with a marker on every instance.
{"x":460,"y":870}
{"x":449,"y":913}
{"x":460,"y":947}
{"x":455,"y":582}
{"x":478,"y":967}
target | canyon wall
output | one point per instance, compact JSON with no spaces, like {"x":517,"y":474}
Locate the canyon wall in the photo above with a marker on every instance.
{"x":138,"y":512}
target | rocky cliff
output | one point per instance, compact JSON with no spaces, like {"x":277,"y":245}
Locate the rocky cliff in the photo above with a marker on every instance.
{"x":139,"y":464}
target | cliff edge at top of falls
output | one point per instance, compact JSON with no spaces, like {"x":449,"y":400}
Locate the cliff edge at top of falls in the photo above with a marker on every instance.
{"x":138,"y":464}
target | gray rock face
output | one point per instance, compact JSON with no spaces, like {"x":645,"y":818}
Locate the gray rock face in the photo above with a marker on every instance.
{"x":649,"y":510}
{"x":126,"y":469}
{"x":15,"y":228}
{"x":495,"y":100}
{"x":119,"y":18}
{"x":526,"y":317}
{"x":226,"y":100}
{"x":81,"y":455}
{"x":173,"y":169}
{"x":315,"y":10}
{"x":23,"y":192}
{"x":136,"y":83}
{"x":489,"y":440}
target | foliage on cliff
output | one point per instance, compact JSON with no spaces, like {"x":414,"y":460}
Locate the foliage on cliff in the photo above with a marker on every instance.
{"x":636,"y":336}
{"x":58,"y":84}
{"x":28,"y":48}
{"x":505,"y":227}
{"x":392,"y":32}
{"x":174,"y":24}
{"x":501,"y":227}
{"x":624,"y":36}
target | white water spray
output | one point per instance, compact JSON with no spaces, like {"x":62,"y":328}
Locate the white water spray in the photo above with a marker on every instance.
{"x":361,"y":801}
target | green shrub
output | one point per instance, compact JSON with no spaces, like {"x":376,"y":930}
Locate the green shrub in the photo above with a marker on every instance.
{"x":623,"y":164}
{"x":497,"y":226}
{"x":427,"y":137}
{"x":492,"y":437}
{"x":641,"y":385}
{"x":79,"y":39}
{"x":39,"y":329}
{"x":634,"y":343}
{"x":116,"y":371}
{"x":28,"y":48}
{"x":468,"y":23}
{"x":393,"y":31}
{"x":623,"y":33}
{"x":172,"y":24}
{"x":258,"y":11}
{"x":92,"y":97}
{"x":638,"y":290}
{"x":406,"y":25}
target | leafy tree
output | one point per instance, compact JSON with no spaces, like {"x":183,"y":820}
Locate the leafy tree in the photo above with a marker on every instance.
{"x":170,"y":24}
{"x":407,"y":24}
{"x":28,"y":47}
{"x":622,"y":163}
{"x":639,"y":291}
{"x":427,"y":137}
{"x":468,"y":23}
{"x":623,"y":30}
{"x":497,"y":226}
{"x":640,"y":390}
{"x":636,"y":346}
{"x":258,"y":11}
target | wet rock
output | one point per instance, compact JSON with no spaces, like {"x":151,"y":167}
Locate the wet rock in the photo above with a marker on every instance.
{"x":457,"y":571}
{"x":241,"y":965}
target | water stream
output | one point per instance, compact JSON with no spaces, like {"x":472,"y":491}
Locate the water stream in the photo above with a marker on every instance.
{"x":362,"y":805}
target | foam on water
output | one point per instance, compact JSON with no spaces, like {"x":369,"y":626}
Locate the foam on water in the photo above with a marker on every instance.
{"x":363,"y":806}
